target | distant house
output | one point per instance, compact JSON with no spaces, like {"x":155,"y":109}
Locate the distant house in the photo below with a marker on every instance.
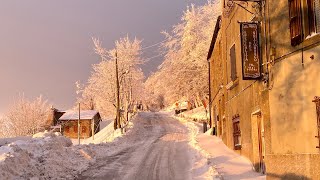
{"x":54,"y":116}
{"x":89,"y":123}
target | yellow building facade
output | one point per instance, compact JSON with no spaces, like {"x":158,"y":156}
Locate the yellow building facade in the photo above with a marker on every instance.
{"x":272,"y":120}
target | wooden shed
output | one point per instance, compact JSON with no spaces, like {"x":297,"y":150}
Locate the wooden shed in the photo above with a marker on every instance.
{"x":89,"y":123}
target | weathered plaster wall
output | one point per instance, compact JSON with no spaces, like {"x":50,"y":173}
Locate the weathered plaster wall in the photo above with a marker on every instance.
{"x":294,"y":85}
{"x":246,"y":96}
{"x":293,"y":115}
{"x":293,"y":166}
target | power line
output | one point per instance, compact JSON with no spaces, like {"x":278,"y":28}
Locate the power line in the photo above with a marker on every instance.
{"x":148,"y":59}
{"x":147,"y":47}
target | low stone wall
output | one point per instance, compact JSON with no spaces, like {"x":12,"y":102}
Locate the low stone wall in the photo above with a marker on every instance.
{"x":293,"y":166}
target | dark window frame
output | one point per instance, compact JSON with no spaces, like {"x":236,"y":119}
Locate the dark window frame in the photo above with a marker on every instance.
{"x":303,"y":19}
{"x":236,"y":132}
{"x":233,"y":63}
{"x":295,"y":20}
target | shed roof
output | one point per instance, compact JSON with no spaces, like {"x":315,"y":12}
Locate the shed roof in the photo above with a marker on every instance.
{"x":74,"y":115}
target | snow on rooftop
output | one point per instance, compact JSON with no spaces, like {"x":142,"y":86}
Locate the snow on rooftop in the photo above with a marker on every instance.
{"x":73,"y":115}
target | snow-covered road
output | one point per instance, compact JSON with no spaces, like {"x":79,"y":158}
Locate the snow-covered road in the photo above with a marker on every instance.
{"x":156,"y":148}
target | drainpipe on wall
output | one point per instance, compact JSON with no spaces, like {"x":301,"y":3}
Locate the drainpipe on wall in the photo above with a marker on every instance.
{"x":210,"y":118}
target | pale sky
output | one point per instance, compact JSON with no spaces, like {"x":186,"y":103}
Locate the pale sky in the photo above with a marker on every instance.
{"x":45,"y":46}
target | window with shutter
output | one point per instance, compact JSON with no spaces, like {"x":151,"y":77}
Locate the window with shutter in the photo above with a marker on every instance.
{"x":295,"y":14}
{"x":233,"y":63}
{"x":313,"y":15}
{"x":310,"y":13}
{"x":317,"y":15}
{"x":236,"y":132}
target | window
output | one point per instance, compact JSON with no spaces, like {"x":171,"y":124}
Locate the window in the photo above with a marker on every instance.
{"x":233,"y":63}
{"x":236,"y":132}
{"x":299,"y":30}
{"x":313,"y":16}
{"x":295,"y":22}
{"x":317,"y":102}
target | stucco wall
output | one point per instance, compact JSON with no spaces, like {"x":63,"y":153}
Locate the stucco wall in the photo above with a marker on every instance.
{"x":293,"y":166}
{"x":293,"y":115}
{"x":246,"y":96}
{"x":285,"y":104}
{"x":294,"y":83}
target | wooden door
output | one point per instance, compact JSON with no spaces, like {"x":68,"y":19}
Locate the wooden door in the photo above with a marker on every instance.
{"x":261,"y":142}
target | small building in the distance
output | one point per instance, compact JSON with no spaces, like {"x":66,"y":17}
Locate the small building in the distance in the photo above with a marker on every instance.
{"x":89,"y":123}
{"x":53,"y":116}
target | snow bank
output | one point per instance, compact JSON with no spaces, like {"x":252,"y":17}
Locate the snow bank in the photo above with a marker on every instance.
{"x":46,"y":156}
{"x":107,"y":134}
{"x":202,"y":168}
{"x":49,"y":155}
{"x":6,"y":141}
{"x":197,"y":114}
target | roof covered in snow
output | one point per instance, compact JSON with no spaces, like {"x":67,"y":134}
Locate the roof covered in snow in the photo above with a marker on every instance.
{"x":74,"y":115}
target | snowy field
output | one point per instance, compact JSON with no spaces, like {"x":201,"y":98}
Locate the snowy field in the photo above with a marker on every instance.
{"x":156,"y":146}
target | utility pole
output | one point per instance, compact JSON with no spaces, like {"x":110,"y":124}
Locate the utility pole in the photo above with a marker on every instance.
{"x":79,"y":126}
{"x":118,"y":94}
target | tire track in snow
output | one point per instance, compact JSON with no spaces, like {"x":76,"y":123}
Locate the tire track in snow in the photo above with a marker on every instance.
{"x":156,"y":149}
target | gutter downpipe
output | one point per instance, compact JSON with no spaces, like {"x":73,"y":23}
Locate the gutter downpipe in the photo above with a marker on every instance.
{"x":210,"y":118}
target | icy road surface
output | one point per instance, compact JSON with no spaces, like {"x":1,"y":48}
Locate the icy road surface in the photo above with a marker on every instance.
{"x":156,"y":148}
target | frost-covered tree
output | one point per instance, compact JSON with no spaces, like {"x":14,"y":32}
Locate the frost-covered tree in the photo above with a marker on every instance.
{"x":101,"y":87}
{"x":184,"y":72}
{"x":25,"y":117}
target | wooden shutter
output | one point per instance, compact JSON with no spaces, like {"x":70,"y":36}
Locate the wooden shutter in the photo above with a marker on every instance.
{"x":311,"y":17}
{"x":236,"y":132}
{"x":316,"y":12}
{"x":233,"y":63}
{"x":295,"y":22}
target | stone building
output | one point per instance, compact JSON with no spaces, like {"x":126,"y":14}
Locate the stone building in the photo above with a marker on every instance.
{"x":272,"y":119}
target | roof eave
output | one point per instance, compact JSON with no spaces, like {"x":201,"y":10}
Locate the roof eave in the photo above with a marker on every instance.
{"x":214,"y":37}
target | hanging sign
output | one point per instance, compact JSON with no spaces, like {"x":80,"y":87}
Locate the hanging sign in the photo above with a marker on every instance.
{"x":250,"y":50}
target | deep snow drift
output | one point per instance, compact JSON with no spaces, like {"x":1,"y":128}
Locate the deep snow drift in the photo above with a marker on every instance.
{"x":46,"y":156}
